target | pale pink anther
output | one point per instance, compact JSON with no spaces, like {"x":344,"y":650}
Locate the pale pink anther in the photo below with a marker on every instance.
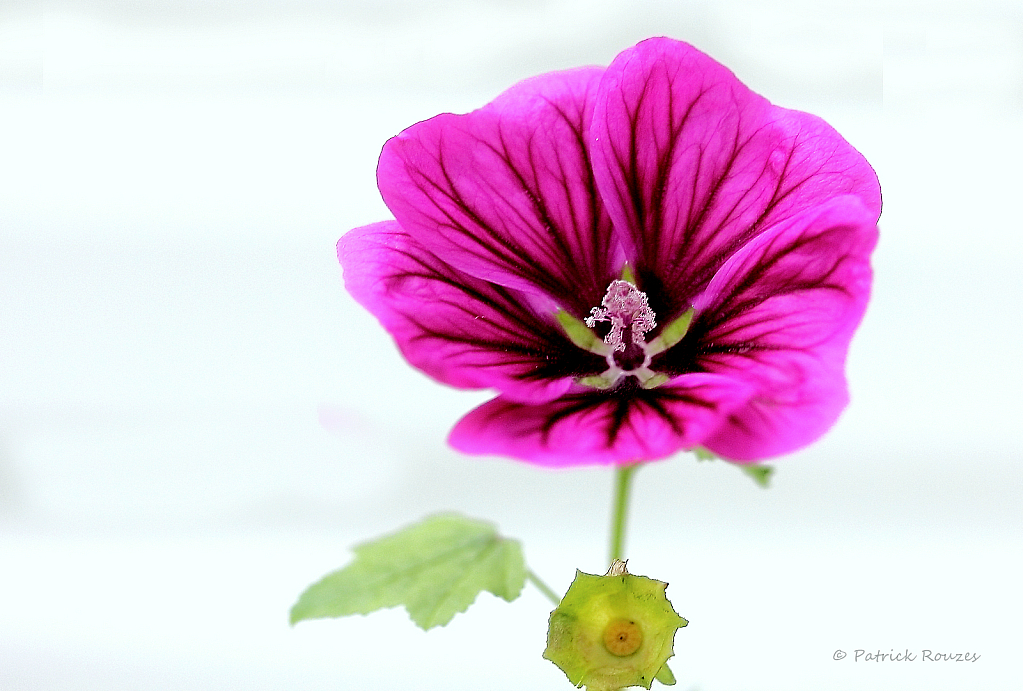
{"x":624,"y":305}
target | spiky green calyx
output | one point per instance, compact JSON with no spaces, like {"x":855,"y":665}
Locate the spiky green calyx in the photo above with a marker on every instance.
{"x":613,"y":631}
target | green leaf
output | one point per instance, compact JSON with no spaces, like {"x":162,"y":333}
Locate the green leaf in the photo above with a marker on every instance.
{"x":761,"y":474}
{"x":435,"y":568}
{"x":665,"y":676}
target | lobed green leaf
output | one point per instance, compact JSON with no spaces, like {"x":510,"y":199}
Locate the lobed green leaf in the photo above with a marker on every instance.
{"x":435,"y":568}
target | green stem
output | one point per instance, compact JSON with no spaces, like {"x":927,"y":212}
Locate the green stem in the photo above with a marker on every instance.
{"x":543,"y":587}
{"x":623,"y":478}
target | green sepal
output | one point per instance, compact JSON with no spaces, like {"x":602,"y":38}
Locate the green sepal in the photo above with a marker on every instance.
{"x":649,"y":379}
{"x":703,"y":454}
{"x":578,"y":627}
{"x":580,"y":334}
{"x":599,"y":381}
{"x":628,"y":274}
{"x":665,"y":676}
{"x":671,"y":334}
{"x":761,"y":474}
{"x":435,"y":568}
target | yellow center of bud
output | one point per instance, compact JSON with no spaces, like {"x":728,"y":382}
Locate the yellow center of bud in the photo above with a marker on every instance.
{"x":622,"y":637}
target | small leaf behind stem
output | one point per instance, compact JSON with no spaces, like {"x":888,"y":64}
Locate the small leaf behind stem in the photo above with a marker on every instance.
{"x":435,"y":568}
{"x":761,"y":474}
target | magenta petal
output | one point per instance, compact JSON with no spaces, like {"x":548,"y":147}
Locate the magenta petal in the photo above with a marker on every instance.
{"x":506,"y":193}
{"x":780,"y":314}
{"x":692,"y":164}
{"x":458,"y":329}
{"x":603,"y":428}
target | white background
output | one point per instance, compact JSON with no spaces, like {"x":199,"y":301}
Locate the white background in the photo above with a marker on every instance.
{"x":196,"y":421}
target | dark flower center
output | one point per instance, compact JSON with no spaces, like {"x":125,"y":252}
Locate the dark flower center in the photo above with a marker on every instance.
{"x":626,"y":307}
{"x":624,"y":347}
{"x":632,"y":356}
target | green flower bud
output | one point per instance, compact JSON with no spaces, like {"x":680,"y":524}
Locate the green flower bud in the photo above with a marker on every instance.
{"x":613,"y":631}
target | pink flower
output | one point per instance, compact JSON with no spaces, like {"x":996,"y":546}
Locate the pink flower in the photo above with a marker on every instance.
{"x":641,"y":259}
